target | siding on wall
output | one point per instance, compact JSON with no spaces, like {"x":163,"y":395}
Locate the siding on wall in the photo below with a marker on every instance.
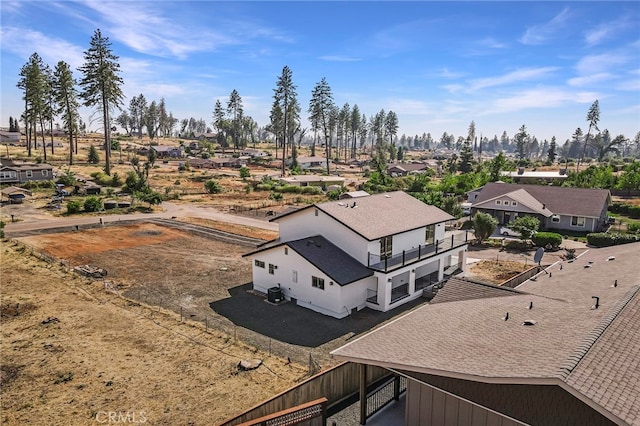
{"x":543,"y":405}
{"x":429,"y":406}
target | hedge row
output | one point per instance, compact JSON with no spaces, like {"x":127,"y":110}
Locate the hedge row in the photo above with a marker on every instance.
{"x":542,"y":239}
{"x":626,"y":209}
{"x":603,"y":239}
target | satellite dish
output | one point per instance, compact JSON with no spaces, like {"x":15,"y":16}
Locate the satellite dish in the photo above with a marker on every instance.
{"x":538,"y":256}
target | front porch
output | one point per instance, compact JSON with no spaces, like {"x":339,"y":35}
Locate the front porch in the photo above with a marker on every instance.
{"x":416,"y":280}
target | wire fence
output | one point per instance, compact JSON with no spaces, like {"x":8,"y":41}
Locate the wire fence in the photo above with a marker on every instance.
{"x":314,"y":358}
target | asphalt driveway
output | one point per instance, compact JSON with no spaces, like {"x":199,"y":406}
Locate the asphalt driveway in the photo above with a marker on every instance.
{"x":296,"y":325}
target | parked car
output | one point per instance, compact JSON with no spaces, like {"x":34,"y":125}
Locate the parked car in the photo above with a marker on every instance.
{"x":508,"y":232}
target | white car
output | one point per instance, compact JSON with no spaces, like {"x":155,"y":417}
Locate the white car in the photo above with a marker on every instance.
{"x":508,"y":232}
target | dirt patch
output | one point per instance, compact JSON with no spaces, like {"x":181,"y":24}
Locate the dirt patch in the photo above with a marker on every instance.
{"x":11,"y":310}
{"x":103,"y":353}
{"x":496,"y":272}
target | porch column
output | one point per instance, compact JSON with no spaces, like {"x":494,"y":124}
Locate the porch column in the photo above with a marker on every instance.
{"x":363,"y":394}
{"x":412,"y":281}
{"x":441,"y":269}
{"x":462,"y":259}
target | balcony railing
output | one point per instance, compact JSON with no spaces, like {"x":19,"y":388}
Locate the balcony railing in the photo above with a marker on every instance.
{"x":372,"y":296}
{"x":407,"y":257}
{"x":385,"y":394}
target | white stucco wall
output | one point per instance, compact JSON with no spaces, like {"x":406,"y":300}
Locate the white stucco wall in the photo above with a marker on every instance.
{"x":334,"y":300}
{"x":306,"y":224}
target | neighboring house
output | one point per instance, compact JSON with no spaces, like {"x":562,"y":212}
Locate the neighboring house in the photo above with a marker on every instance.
{"x":10,"y":138}
{"x":403,"y":169}
{"x":254,"y":153}
{"x":205,"y":136}
{"x":306,"y":163}
{"x":168,"y":151}
{"x":572,"y":209}
{"x":11,"y":172}
{"x":545,"y":353}
{"x":313,"y":180}
{"x":379,"y":251}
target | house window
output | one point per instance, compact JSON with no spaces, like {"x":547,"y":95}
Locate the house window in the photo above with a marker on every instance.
{"x":8,"y":175}
{"x":555,"y":218}
{"x":498,"y":202}
{"x":316,"y":212}
{"x":514,"y":203}
{"x":45,"y":173}
{"x":577,"y":221}
{"x":29,"y":173}
{"x":272,"y":268}
{"x":317,"y":282}
{"x":258,"y":263}
{"x":386,"y":246}
{"x":286,"y":250}
{"x":294,"y":276}
{"x":430,"y":235}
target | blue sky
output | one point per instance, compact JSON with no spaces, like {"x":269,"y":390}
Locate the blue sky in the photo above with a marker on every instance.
{"x":438,"y":65}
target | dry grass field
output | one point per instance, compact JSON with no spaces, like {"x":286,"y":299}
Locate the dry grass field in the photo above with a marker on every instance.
{"x":72,"y":352}
{"x":496,"y":272}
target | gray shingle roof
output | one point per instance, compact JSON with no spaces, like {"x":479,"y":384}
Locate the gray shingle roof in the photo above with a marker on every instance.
{"x":338,"y":265}
{"x":380,"y":215}
{"x":559,"y":200}
{"x":595,"y":351}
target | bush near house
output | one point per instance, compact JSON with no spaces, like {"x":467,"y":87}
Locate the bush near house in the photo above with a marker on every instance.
{"x":74,"y":206}
{"x":602,"y":239}
{"x":93,"y":204}
{"x":542,"y":239}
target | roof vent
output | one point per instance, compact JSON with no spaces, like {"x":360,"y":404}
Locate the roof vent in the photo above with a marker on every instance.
{"x":529,"y":322}
{"x":597,"y":304}
{"x":615,"y":284}
{"x":354,"y":205}
{"x":506,"y":317}
{"x":530,"y":305}
{"x":341,"y":204}
{"x":387,"y":196}
{"x":611,"y":258}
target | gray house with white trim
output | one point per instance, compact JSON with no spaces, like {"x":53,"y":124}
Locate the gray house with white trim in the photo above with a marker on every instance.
{"x":558,"y":208}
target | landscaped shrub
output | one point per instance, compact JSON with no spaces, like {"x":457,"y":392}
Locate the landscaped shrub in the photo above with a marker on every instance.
{"x":93,"y":204}
{"x":603,"y":239}
{"x":74,"y":207}
{"x":633,"y":228}
{"x":542,"y":239}
{"x":212,"y":187}
{"x":310,"y":190}
{"x":289,"y":189}
{"x":634,"y":212}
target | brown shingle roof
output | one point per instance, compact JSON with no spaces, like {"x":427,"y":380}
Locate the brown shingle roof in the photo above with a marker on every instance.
{"x":559,"y":200}
{"x":379,"y":215}
{"x":595,"y":351}
{"x":456,"y":289}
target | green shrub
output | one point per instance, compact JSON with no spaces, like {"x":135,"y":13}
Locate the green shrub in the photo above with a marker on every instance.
{"x":603,"y":239}
{"x":212,"y":187}
{"x":634,"y":212}
{"x":116,"y":180}
{"x":289,"y":189}
{"x":633,"y":228}
{"x":310,"y":190}
{"x":93,"y":204}
{"x":74,"y":207}
{"x":276,"y":196}
{"x":542,"y":239}
{"x":103,"y":179}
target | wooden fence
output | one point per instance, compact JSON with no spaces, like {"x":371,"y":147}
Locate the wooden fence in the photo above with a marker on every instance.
{"x":521,"y":277}
{"x":336,"y":384}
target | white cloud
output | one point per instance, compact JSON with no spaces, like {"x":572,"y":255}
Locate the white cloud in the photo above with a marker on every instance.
{"x":589,"y":79}
{"x":446,"y":73}
{"x":606,"y":30}
{"x":524,"y":74}
{"x":541,"y":97}
{"x":543,"y":33}
{"x":595,"y":64}
{"x":338,"y":58}
{"x":23,"y":42}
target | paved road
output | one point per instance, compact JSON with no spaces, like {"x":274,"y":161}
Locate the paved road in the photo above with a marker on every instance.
{"x":171,"y":210}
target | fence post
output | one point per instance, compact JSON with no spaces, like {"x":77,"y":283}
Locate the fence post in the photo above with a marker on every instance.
{"x":206,"y":325}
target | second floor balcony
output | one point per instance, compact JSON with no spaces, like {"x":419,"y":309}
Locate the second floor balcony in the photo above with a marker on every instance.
{"x":385,"y":264}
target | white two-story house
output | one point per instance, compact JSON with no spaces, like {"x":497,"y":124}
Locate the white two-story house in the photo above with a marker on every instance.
{"x":378,"y":251}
